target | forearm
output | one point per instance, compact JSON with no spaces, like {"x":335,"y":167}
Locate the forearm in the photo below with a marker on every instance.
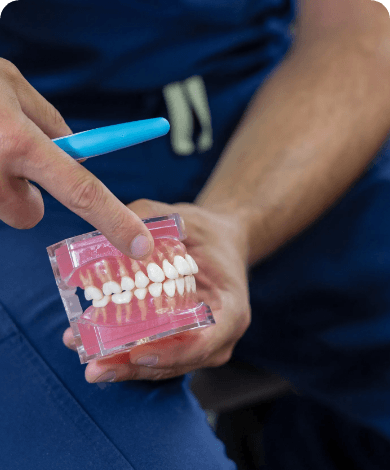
{"x":308,"y":134}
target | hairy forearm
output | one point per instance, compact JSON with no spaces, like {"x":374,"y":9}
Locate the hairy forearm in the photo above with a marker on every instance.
{"x":307,"y":136}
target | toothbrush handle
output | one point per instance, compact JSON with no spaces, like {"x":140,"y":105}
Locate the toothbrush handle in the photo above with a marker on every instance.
{"x":103,"y":140}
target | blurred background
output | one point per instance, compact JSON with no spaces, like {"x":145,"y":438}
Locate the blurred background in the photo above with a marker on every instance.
{"x":237,"y":398}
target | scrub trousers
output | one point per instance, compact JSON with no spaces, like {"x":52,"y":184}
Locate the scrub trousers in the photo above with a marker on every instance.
{"x":321,"y":317}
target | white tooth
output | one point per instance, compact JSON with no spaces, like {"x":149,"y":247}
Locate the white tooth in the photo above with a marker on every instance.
{"x":169,"y":287}
{"x":103,"y":302}
{"x":193,"y":284}
{"x":169,"y":270}
{"x":123,"y":298}
{"x":181,"y":265}
{"x":155,"y":289}
{"x":155,"y":273}
{"x":180,"y":285}
{"x":141,"y":280}
{"x":140,"y":293}
{"x":194,"y":267}
{"x":187,"y":280}
{"x":93,"y":293}
{"x":111,"y":287}
{"x":127,"y":283}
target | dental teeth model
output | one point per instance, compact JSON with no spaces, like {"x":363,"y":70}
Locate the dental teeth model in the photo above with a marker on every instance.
{"x":132,"y":302}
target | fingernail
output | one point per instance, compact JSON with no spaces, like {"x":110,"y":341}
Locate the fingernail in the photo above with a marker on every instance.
{"x":106,"y":377}
{"x":147,"y":361}
{"x":139,"y":246}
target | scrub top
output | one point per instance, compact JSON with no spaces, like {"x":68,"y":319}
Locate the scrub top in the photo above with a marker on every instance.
{"x":320,"y":306}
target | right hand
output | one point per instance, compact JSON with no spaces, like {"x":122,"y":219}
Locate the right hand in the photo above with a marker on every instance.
{"x":27,"y":124}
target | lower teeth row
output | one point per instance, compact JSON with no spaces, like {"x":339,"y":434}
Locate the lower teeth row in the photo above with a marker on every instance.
{"x":155,"y":290}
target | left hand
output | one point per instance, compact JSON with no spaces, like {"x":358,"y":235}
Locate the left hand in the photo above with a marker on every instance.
{"x":218,"y":244}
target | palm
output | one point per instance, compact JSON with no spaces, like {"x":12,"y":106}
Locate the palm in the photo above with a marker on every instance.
{"x":219,"y":250}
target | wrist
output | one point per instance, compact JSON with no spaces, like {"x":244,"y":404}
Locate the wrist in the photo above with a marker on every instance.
{"x":237,"y":220}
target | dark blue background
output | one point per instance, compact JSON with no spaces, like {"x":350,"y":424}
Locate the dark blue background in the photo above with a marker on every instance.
{"x":321,"y":307}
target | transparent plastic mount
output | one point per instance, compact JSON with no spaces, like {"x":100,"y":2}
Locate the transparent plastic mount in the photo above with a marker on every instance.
{"x":90,"y":259}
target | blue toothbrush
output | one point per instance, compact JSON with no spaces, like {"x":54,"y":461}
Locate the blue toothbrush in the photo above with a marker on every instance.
{"x":103,"y":140}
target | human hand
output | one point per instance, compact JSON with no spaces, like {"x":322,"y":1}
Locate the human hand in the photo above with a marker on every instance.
{"x":218,"y":245}
{"x":27,"y":124}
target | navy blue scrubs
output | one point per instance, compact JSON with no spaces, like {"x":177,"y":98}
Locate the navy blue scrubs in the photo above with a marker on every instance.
{"x":322,"y":319}
{"x":321,"y":311}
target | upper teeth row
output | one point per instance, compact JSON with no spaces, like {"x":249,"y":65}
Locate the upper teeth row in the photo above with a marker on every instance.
{"x":155,"y":290}
{"x":184,"y":266}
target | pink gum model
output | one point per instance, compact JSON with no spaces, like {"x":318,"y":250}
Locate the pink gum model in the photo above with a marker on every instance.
{"x":133,"y":302}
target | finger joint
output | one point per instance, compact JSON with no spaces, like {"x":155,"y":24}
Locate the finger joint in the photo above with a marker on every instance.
{"x":86,"y":195}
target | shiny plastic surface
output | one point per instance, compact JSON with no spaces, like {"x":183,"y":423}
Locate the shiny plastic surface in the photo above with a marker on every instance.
{"x":130,"y":302}
{"x":107,"y":139}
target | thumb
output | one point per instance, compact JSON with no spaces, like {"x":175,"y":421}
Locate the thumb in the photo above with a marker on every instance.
{"x":146,"y":208}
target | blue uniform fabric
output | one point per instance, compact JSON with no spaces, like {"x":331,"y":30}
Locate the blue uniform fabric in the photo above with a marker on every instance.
{"x":322,"y":319}
{"x":321,"y":308}
{"x":102,"y":63}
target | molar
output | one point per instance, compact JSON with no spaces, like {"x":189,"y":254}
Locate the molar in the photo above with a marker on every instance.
{"x":140,"y":293}
{"x":155,"y":273}
{"x":180,"y":285}
{"x":169,"y":287}
{"x":141,"y":280}
{"x":190,"y":260}
{"x":155,"y":289}
{"x":103,"y":302}
{"x":127,"y":283}
{"x":123,"y":298}
{"x":111,"y":287}
{"x":169,"y":270}
{"x":93,"y":293}
{"x":181,"y":265}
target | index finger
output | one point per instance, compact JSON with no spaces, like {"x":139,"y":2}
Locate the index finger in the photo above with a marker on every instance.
{"x":84,"y":194}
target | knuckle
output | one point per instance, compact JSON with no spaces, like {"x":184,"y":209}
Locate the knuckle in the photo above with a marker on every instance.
{"x":9,"y":69}
{"x":14,"y":141}
{"x":226,"y":356}
{"x":221,"y":358}
{"x":53,"y":115}
{"x":205,"y":357}
{"x":246,"y":320}
{"x":242,"y":322}
{"x":86,"y":194}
